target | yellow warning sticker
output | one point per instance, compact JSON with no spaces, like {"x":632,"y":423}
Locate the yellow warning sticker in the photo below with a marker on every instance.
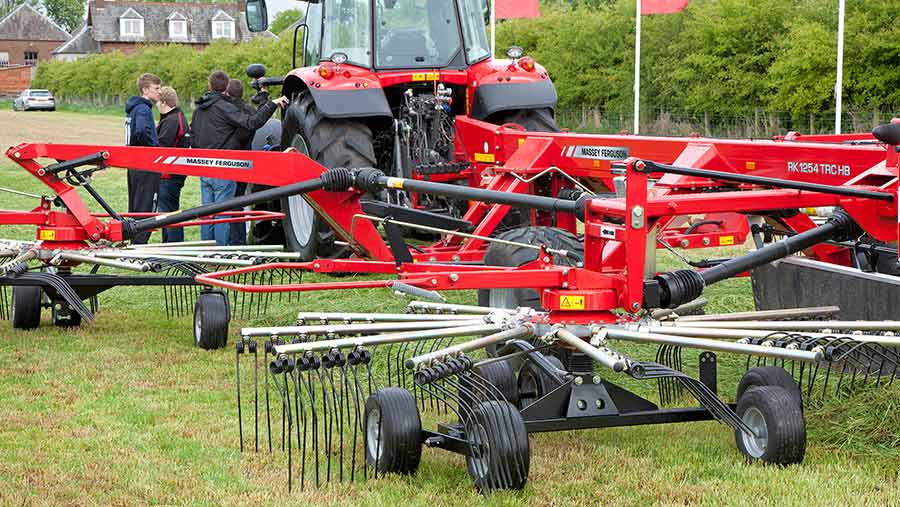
{"x":521,"y":141}
{"x":485,"y":157}
{"x":46,"y":235}
{"x":726,"y":240}
{"x":571,"y":303}
{"x":426,"y":76}
{"x":395,"y":183}
{"x":750,"y":165}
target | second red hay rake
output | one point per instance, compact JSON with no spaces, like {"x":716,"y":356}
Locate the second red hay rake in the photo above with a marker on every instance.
{"x":379,"y":388}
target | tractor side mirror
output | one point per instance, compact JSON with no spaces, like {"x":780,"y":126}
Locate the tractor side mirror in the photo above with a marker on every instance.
{"x":257,"y":15}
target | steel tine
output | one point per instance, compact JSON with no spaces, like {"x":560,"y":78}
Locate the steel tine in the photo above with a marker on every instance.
{"x":237,"y":373}
{"x":255,"y":395}
{"x":300,"y":416}
{"x":314,"y":417}
{"x":267,"y":348}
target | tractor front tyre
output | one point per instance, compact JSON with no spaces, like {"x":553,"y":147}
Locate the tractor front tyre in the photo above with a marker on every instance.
{"x":499,"y":455}
{"x":776,"y":420}
{"x":500,"y":254}
{"x":332,"y":143}
{"x":393,"y":431}
{"x":212,"y":314}
{"x":26,"y":306}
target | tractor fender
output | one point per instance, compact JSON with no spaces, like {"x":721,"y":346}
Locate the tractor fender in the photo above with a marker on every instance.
{"x":502,"y":86}
{"x":358,"y":96}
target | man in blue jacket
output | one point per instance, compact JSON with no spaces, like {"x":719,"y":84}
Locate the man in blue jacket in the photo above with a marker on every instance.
{"x":140,"y":130}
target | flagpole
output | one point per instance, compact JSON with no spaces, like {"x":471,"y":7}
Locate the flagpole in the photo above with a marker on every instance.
{"x":493,"y":28}
{"x":838,"y":84}
{"x":637,"y":67}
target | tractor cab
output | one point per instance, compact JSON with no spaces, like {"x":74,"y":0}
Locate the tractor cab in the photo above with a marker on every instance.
{"x":391,"y":34}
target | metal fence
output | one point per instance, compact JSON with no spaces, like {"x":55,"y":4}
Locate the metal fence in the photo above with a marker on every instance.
{"x":756,"y":124}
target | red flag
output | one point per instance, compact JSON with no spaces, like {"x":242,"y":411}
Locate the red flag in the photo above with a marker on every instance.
{"x":509,"y":9}
{"x":662,"y":6}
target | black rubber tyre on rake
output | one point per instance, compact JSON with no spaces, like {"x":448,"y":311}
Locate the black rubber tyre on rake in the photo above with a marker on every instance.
{"x":499,"y":374}
{"x":393,"y":431}
{"x":534,"y":383}
{"x":212,"y":313}
{"x":513,"y":256}
{"x":777,"y":419}
{"x":332,"y":143}
{"x":65,"y":319}
{"x":500,"y":456}
{"x":769,"y":376}
{"x":26,"y":306}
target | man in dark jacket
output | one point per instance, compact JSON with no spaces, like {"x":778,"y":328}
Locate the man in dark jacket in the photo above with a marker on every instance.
{"x":175,"y":132}
{"x":216,"y":124}
{"x":235,"y":93}
{"x":140,"y":130}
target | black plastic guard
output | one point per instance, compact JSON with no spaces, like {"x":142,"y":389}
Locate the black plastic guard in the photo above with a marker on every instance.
{"x":797,"y":282}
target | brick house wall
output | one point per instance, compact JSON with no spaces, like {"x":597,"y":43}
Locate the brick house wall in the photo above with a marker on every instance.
{"x":16,"y":49}
{"x":15,"y":79}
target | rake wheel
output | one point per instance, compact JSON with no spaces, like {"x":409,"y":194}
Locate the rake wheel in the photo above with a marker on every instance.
{"x":26,"y":306}
{"x":211,"y":317}
{"x":69,"y":318}
{"x":393,"y":431}
{"x":534,"y":383}
{"x":769,"y":376}
{"x":500,"y":454}
{"x":777,"y":419}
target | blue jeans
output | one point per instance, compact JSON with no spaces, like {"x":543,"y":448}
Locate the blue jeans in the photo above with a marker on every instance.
{"x":216,"y":190}
{"x":169,"y":200}
{"x":239,"y":229}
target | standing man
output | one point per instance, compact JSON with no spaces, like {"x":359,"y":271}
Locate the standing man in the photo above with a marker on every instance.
{"x":140,"y":130}
{"x":235,"y":93}
{"x":174,"y":132}
{"x":216,"y":124}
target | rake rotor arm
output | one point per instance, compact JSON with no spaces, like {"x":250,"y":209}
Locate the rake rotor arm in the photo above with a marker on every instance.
{"x":132,"y":228}
{"x":374,"y":180}
{"x":679,"y":287}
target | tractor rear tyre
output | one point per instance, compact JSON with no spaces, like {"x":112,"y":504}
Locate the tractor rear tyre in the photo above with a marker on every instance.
{"x":769,"y":376}
{"x":393,"y":431}
{"x":500,"y":456}
{"x":332,"y":143}
{"x":777,"y":421}
{"x":212,"y":314}
{"x":26,"y":306}
{"x":499,"y":254}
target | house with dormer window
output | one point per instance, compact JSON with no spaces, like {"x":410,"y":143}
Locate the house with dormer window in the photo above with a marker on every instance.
{"x":113,"y":25}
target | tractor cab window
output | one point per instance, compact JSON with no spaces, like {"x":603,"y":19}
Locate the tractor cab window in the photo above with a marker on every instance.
{"x":415,"y":33}
{"x":473,"y":13}
{"x":346,"y":30}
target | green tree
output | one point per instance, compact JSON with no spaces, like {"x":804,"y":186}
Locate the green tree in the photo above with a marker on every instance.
{"x":285,"y":19}
{"x":68,"y":14}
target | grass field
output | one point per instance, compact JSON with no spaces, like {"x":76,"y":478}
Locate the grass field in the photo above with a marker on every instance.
{"x":125,"y":411}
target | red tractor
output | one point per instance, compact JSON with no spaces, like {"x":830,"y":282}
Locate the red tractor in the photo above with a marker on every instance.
{"x":380,"y":84}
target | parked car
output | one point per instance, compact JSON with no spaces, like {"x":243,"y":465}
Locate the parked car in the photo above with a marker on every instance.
{"x":35,"y":99}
